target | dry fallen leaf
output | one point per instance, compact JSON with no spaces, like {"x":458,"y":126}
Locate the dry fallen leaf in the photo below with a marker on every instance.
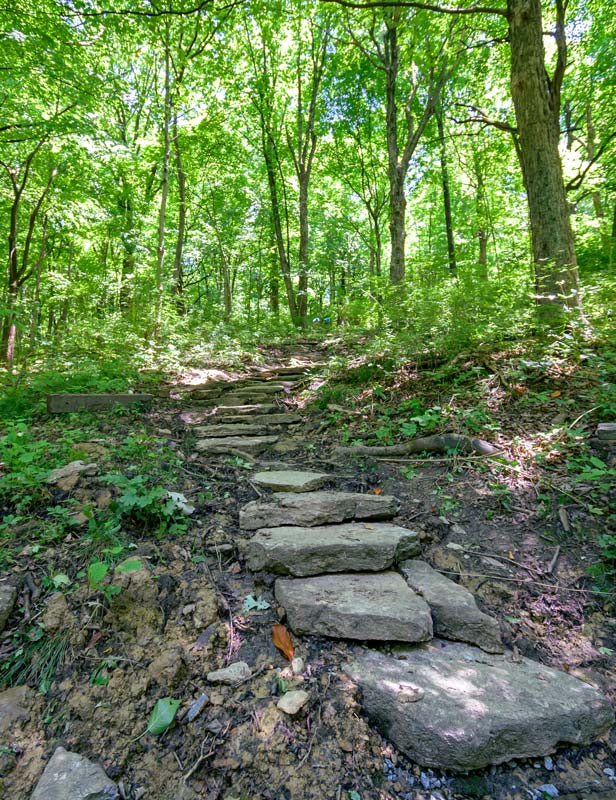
{"x":377,"y":491}
{"x":555,"y":393}
{"x":282,"y":639}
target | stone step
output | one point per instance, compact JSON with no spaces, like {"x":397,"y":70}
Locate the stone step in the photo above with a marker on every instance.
{"x":237,"y":400}
{"x":290,"y":480}
{"x":454,"y":611}
{"x":361,"y":606}
{"x":316,"y":508}
{"x":352,"y":547}
{"x":607,"y":431}
{"x":247,"y":444}
{"x":267,"y":419}
{"x":66,"y":403}
{"x":259,"y":388}
{"x":454,"y":707}
{"x":232,"y":429}
{"x":224,"y":412}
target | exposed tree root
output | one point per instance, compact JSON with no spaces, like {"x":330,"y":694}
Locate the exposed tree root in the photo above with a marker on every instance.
{"x":439,"y":443}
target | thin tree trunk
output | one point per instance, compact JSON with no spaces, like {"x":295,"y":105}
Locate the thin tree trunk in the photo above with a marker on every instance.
{"x":178,"y":264}
{"x":451,"y":246}
{"x":162,"y":214}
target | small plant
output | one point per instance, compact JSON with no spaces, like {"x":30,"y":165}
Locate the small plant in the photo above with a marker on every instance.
{"x":146,"y":507}
{"x":604,"y":572}
{"x":36,"y":658}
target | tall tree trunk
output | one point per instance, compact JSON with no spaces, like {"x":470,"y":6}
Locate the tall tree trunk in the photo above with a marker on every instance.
{"x":270,"y":166}
{"x":536,"y":98}
{"x":162,"y":213}
{"x":178,"y":264}
{"x":451,"y":246}
{"x":395,"y":170}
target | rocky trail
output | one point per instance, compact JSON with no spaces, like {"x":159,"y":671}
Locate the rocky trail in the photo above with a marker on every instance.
{"x":315,"y":644}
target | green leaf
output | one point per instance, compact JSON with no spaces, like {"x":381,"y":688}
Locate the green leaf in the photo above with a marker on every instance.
{"x":353,"y":795}
{"x":96,"y":573}
{"x":163,"y":715}
{"x":512,"y":620}
{"x":61,"y":580}
{"x":132,"y":565}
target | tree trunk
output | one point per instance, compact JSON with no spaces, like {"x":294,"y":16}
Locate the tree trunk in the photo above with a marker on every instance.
{"x":162,"y":213}
{"x":178,"y":264}
{"x":536,"y":98}
{"x":451,"y":247}
{"x":302,"y":283}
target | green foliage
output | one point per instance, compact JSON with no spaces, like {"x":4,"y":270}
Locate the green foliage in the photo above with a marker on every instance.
{"x":162,"y":715}
{"x":146,"y":507}
{"x":35,"y":658}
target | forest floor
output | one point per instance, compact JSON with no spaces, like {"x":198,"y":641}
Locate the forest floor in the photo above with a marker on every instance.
{"x":525,"y":527}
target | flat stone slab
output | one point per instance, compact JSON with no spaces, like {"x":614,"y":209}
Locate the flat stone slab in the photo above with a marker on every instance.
{"x":259,"y":388}
{"x":65,"y":403}
{"x":231,"y":429}
{"x":275,"y":419}
{"x":454,"y":610}
{"x":248,"y":444}
{"x":351,"y":547}
{"x":239,"y":400}
{"x":227,"y":413}
{"x":316,"y":508}
{"x":607,"y":431}
{"x":8,"y":595}
{"x":360,"y":606}
{"x":69,"y":775}
{"x":290,"y":480}
{"x":454,"y":707}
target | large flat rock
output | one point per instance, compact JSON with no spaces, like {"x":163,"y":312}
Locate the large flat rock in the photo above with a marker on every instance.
{"x":65,"y":403}
{"x":290,"y":480}
{"x":360,"y":606}
{"x":227,"y":412}
{"x":316,"y":508}
{"x":351,"y":547}
{"x":259,"y":388}
{"x":227,"y":444}
{"x":230,"y":429}
{"x":454,"y":610}
{"x":455,"y":707}
{"x":273,"y":419}
{"x":69,"y":776}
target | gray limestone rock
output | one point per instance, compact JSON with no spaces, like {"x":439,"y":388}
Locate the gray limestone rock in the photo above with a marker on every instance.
{"x":248,"y":444}
{"x":75,"y":468}
{"x":229,"y":429}
{"x":290,"y":480}
{"x":268,"y":419}
{"x":316,"y":508}
{"x":350,"y":547}
{"x":607,"y":431}
{"x":228,"y":413}
{"x":454,"y":707}
{"x":69,"y":776}
{"x":454,"y":610}
{"x":238,"y":671}
{"x":8,"y":595}
{"x":293,"y":701}
{"x":360,"y":606}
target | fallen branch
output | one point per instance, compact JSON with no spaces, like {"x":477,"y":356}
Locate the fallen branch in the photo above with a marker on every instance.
{"x":439,"y":443}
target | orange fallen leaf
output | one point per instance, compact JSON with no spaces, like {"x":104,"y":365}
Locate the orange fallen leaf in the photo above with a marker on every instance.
{"x":377,"y":491}
{"x":282,"y":639}
{"x":510,"y":555}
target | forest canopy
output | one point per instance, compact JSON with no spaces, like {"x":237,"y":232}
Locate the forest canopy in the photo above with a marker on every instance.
{"x":175,"y":167}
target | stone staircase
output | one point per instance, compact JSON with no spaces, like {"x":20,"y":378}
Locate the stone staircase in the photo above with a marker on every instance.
{"x":433,"y":674}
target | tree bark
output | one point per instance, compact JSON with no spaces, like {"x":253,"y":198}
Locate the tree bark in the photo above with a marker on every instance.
{"x":162,"y":213}
{"x":451,"y":246}
{"x":536,"y":99}
{"x":178,"y":264}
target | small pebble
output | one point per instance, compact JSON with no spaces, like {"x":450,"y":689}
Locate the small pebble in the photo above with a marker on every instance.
{"x":292,"y":702}
{"x":297,"y":665}
{"x":238,"y":671}
{"x":548,"y":763}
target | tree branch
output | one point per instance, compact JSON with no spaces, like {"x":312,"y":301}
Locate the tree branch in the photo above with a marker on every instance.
{"x":502,"y":12}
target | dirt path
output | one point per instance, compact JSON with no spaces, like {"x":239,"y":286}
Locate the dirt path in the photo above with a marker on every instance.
{"x":198,"y":603}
